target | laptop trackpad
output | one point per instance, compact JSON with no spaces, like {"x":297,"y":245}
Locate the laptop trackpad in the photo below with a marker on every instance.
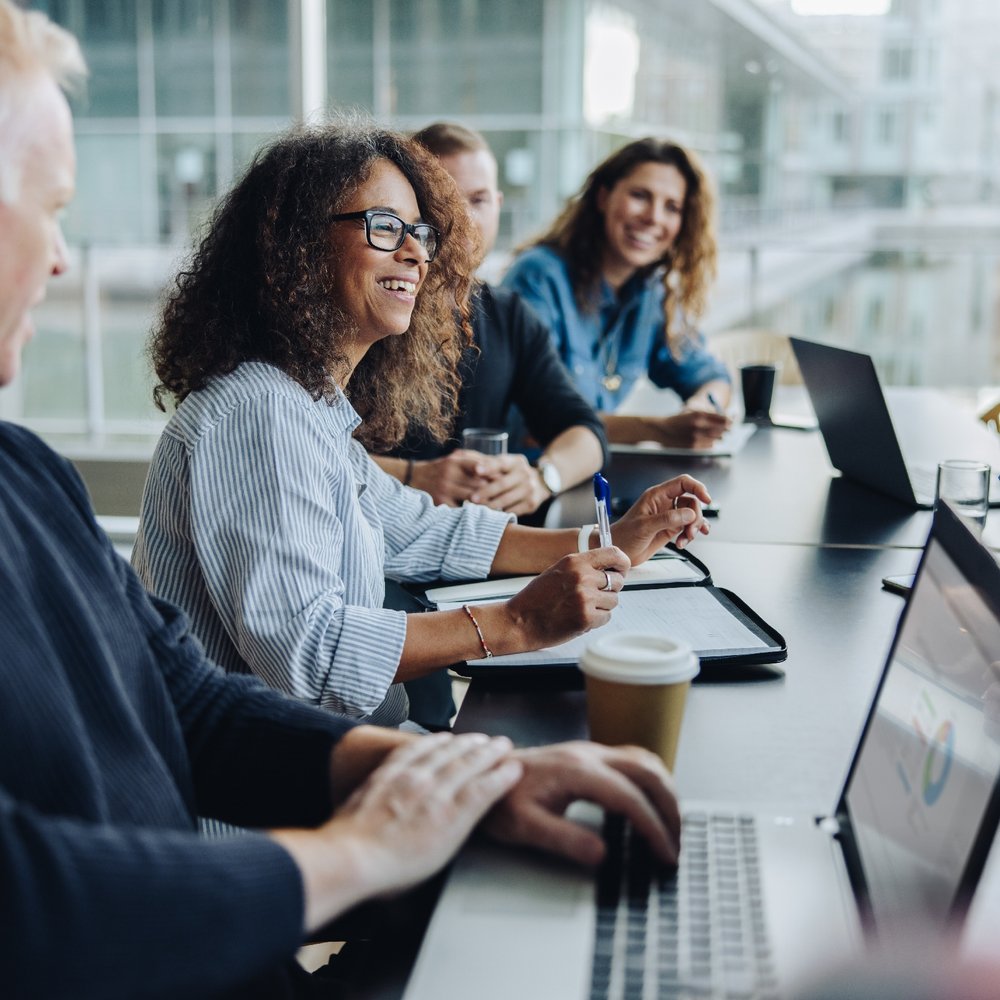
{"x":502,"y":917}
{"x":812,"y":914}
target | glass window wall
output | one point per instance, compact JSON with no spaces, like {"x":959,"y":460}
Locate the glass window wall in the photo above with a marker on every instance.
{"x":809,"y":125}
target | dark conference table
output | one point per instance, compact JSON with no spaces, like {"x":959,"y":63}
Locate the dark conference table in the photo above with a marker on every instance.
{"x":807,"y":551}
{"x":781,"y":488}
{"x":784,"y":742}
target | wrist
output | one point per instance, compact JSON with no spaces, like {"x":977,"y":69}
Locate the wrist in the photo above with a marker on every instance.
{"x":485,"y":647}
{"x":504,"y":627}
{"x":332,"y":880}
{"x":359,"y":752}
{"x":416,"y":473}
{"x":549,"y":475}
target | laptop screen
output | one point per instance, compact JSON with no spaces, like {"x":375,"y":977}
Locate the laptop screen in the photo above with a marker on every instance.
{"x":926,"y":769}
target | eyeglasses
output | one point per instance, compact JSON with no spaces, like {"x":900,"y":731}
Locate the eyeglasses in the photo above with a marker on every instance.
{"x":385,"y":231}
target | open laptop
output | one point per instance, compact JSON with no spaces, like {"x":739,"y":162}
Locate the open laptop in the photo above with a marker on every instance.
{"x":906,"y":845}
{"x":860,"y":436}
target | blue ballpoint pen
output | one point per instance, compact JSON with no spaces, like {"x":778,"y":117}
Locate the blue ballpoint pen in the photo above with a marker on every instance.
{"x":715,"y":403}
{"x":602,"y":501}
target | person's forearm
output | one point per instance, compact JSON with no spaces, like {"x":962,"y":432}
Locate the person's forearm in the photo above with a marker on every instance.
{"x":719,"y":389}
{"x":331,"y":877}
{"x":629,"y":429}
{"x":358,"y":753}
{"x":576,"y":453}
{"x":531,"y":550}
{"x":106,"y":890}
{"x":398,"y":468}
{"x":441,"y":638}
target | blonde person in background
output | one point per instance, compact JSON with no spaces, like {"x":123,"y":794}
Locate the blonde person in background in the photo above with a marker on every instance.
{"x":115,"y":730}
{"x":510,"y":363}
{"x":620,"y":278}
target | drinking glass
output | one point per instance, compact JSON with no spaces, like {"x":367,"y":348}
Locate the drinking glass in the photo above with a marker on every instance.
{"x":487,"y":440}
{"x":966,"y":486}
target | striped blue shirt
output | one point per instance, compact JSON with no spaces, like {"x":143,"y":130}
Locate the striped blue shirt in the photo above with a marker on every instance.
{"x":272,"y":528}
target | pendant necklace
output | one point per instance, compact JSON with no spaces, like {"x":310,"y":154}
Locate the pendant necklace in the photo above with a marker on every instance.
{"x":611,"y":380}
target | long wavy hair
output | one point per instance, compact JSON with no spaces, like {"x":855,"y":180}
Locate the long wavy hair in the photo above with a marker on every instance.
{"x":260,"y":286}
{"x":688,"y":268}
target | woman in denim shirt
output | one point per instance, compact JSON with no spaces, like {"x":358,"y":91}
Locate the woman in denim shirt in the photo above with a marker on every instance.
{"x":619,"y":277}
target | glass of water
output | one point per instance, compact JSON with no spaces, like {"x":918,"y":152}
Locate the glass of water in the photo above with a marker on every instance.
{"x":487,"y":440}
{"x":966,"y":486}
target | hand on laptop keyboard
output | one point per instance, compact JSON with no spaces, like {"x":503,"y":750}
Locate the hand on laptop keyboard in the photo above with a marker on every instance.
{"x":624,"y":780}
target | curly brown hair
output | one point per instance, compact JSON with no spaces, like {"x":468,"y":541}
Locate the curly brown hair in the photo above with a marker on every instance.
{"x":689,"y":267}
{"x":260,"y":286}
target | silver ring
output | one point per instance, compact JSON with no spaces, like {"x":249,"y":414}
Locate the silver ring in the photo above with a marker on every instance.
{"x":607,"y":580}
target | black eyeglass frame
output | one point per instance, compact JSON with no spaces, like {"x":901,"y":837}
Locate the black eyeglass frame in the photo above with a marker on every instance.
{"x":409,"y":228}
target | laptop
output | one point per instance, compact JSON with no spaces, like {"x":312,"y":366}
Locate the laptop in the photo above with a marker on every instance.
{"x":860,"y":436}
{"x":763,"y":903}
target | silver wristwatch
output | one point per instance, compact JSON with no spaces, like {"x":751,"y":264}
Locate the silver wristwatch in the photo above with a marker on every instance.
{"x":550,"y":477}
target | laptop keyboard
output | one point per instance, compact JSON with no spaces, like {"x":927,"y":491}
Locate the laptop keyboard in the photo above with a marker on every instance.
{"x":698,"y":932}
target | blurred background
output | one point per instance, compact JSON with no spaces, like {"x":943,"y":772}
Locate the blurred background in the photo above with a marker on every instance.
{"x":855,"y":145}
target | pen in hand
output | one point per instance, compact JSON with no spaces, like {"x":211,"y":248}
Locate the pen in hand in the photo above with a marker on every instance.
{"x":602,"y":502}
{"x":715,"y":403}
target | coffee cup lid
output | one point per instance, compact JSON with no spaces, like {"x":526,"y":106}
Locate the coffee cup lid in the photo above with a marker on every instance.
{"x":637,"y":658}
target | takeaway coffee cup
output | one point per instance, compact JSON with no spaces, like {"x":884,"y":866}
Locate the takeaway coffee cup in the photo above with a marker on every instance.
{"x":636,"y":688}
{"x":758,"y":388}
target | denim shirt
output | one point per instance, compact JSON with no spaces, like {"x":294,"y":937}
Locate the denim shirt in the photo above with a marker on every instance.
{"x":630,"y":322}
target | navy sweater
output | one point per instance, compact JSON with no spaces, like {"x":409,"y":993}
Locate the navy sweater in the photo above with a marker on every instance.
{"x":115,"y":733}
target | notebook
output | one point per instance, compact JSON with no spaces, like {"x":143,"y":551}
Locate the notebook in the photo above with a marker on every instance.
{"x":906,"y":842}
{"x":671,"y":594}
{"x":731,"y":443}
{"x":860,"y":436}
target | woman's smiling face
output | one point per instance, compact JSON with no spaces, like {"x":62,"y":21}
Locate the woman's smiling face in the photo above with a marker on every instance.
{"x":377,"y":288}
{"x":643,"y":213}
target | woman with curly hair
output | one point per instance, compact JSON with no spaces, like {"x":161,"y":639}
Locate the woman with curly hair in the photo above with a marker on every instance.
{"x":323,"y":294}
{"x":619,"y":278}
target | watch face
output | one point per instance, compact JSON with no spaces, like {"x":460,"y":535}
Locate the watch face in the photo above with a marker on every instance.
{"x":550,"y":476}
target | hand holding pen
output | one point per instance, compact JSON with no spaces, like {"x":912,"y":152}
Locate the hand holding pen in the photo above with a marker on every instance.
{"x":696,"y":426}
{"x":669,"y":512}
{"x":602,"y":502}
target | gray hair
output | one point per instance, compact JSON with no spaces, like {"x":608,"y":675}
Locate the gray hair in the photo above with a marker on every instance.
{"x":31,"y":46}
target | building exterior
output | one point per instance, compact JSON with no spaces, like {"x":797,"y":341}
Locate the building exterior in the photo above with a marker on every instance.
{"x":183,"y":92}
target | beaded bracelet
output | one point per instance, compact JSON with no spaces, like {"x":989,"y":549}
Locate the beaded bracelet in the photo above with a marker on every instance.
{"x":479,"y":631}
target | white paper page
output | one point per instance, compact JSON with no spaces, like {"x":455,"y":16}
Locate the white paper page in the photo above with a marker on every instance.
{"x":672,"y":569}
{"x":688,"y":613}
{"x":729,"y":444}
